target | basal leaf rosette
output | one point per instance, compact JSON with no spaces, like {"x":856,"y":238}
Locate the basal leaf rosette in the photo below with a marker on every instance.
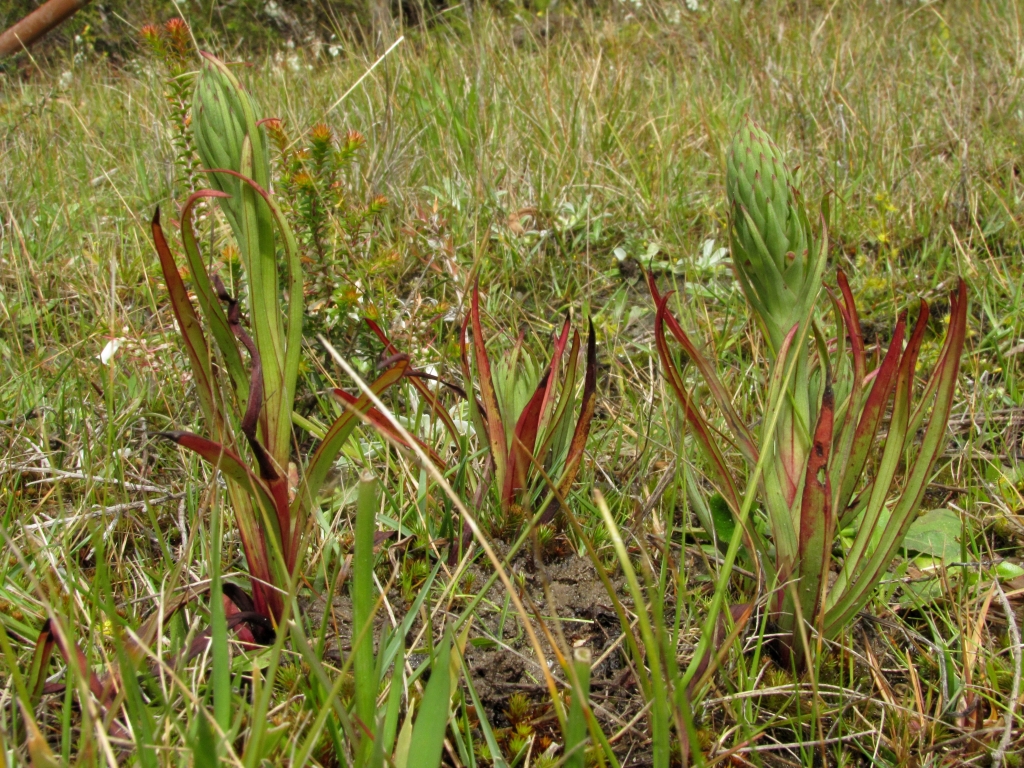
{"x":777,"y":260}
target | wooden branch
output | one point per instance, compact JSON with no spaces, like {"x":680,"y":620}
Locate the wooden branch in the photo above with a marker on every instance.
{"x":38,"y":23}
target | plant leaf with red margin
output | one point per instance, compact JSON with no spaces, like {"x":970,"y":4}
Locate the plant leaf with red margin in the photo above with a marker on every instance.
{"x":744,"y":438}
{"x":863,"y":577}
{"x":421,"y":386}
{"x":331,"y":445}
{"x":188,"y":323}
{"x":383,"y":425}
{"x":578,"y":443}
{"x":524,"y":442}
{"x":251,"y":530}
{"x":694,"y":418}
{"x":495,"y":429}
{"x":549,"y":391}
{"x":817,"y":523}
{"x":207,"y":298}
{"x":871,"y":415}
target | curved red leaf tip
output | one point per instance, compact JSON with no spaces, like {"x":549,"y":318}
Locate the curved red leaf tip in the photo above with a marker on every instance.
{"x":173,"y":435}
{"x":652,"y":285}
{"x":200,"y":194}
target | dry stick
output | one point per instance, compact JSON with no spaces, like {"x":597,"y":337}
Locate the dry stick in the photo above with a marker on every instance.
{"x":438,"y":478}
{"x":38,"y":23}
{"x":999,"y":755}
{"x":57,"y":474}
{"x":116,"y":509}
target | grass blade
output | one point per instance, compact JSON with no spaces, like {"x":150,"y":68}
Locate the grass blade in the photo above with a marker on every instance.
{"x":576,"y":727}
{"x":362,"y":610}
{"x":659,"y":717}
{"x":427,"y":740}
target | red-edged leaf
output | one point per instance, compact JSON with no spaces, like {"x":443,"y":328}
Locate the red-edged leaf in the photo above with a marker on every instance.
{"x":579,"y":436}
{"x":383,"y":425}
{"x":696,"y":421}
{"x":957,"y":306}
{"x":188,"y":324}
{"x":52,"y":636}
{"x":745,"y":440}
{"x":476,"y":408}
{"x":549,"y":391}
{"x":104,"y":689}
{"x":524,"y":441}
{"x":861,"y":582}
{"x":934,"y":441}
{"x":852,"y":319}
{"x":817,"y":523}
{"x":557,"y":427}
{"x":421,"y":386}
{"x":892,"y":454}
{"x":227,"y":461}
{"x":207,"y":297}
{"x":252,"y":526}
{"x":331,"y":445}
{"x":40,"y":662}
{"x":495,"y":429}
{"x":694,"y":418}
{"x":870,"y":420}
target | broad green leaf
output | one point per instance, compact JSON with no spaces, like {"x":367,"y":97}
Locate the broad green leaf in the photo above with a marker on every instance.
{"x":935,"y":533}
{"x":1006,"y":570}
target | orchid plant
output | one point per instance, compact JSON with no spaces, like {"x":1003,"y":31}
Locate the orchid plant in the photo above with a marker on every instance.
{"x":526,"y":415}
{"x":825,"y":457}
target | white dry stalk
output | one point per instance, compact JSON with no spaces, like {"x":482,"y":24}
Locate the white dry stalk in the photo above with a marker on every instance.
{"x":1000,"y":754}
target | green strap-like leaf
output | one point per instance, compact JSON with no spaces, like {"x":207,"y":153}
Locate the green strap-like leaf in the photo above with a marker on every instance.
{"x":210,"y":305}
{"x":858,"y":590}
{"x":325,"y":454}
{"x":744,"y":438}
{"x":495,"y":428}
{"x":427,"y":742}
{"x":188,"y":324}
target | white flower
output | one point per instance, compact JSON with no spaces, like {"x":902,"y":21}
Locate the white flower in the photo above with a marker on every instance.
{"x":110,"y":350}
